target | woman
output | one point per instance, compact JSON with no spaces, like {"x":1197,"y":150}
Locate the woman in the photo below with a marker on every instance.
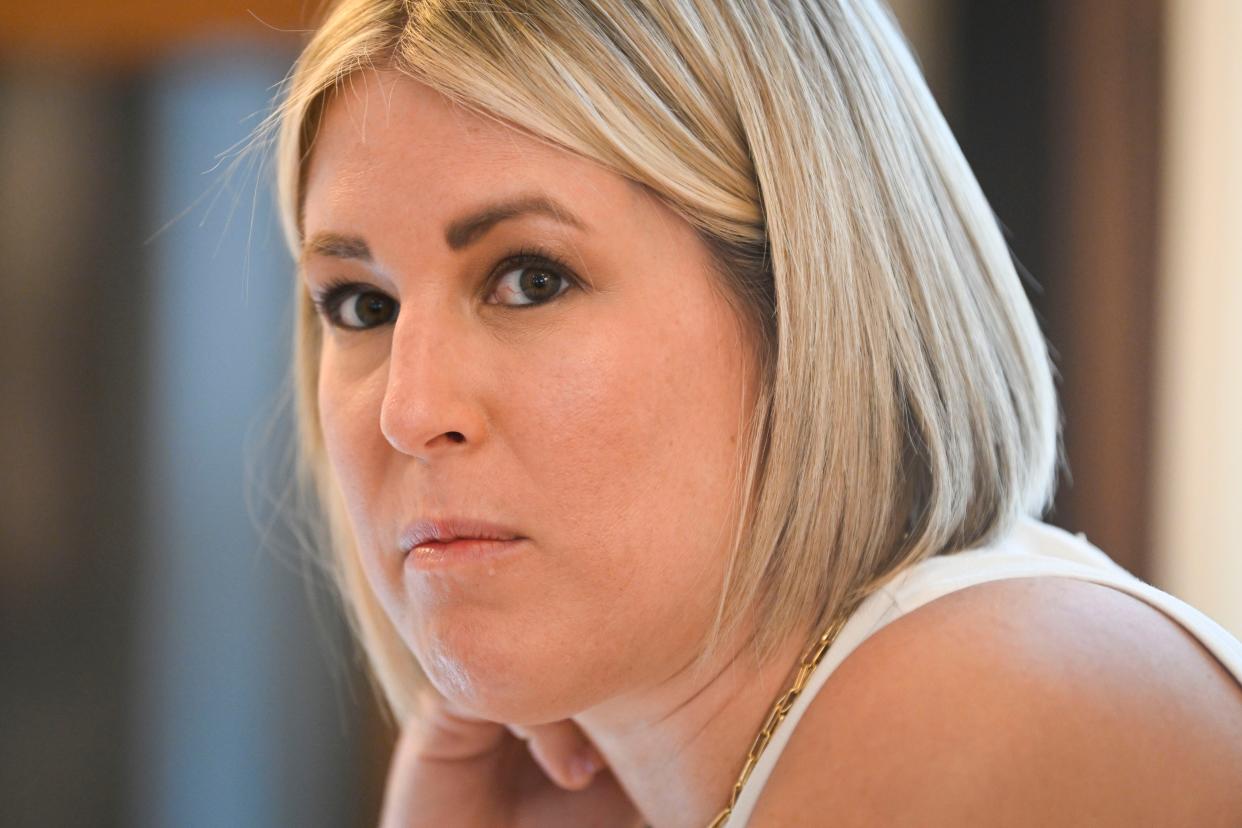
{"x":654,"y":357}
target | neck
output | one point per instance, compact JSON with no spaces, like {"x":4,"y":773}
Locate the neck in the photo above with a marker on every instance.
{"x":677,"y":748}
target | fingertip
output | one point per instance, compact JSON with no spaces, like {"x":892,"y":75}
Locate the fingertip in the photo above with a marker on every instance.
{"x":583,"y":769}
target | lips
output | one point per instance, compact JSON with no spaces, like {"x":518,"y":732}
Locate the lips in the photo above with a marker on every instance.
{"x":449,"y":529}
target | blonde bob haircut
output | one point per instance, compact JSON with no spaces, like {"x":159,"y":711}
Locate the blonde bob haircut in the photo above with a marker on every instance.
{"x":907,"y":406}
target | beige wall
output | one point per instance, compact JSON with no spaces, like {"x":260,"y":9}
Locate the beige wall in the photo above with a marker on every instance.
{"x":1198,"y":485}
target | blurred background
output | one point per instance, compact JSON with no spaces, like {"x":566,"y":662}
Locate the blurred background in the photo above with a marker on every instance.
{"x":166,"y":660}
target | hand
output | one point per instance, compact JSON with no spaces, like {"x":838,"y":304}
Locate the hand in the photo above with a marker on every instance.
{"x":451,"y":770}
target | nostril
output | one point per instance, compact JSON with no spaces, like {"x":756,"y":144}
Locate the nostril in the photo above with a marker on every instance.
{"x":456,"y":436}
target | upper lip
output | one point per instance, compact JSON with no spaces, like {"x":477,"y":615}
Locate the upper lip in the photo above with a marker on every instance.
{"x":452,"y":528}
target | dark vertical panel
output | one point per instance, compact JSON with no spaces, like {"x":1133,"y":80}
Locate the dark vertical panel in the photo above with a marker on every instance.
{"x":1001,"y":121}
{"x":72,"y":289}
{"x":1058,"y":113}
{"x":1107,"y":59}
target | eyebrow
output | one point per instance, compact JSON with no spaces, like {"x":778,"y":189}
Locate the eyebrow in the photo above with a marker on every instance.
{"x":460,"y":233}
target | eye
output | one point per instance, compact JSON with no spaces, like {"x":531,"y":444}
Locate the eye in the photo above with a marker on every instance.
{"x":355,"y":306}
{"x":531,"y":278}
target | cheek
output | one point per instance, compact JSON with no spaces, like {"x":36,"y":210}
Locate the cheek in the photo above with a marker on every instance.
{"x":349,"y":401}
{"x":631,"y":439}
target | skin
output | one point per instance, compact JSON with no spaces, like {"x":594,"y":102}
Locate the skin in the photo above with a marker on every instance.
{"x":1024,"y":702}
{"x":602,"y":425}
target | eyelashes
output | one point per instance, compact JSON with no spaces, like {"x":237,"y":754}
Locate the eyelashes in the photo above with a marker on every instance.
{"x":340,"y":303}
{"x":357,"y":306}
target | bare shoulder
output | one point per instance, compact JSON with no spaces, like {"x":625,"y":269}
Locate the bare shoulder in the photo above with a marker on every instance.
{"x":1031,"y":701}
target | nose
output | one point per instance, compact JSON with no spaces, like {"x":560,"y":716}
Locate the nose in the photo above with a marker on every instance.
{"x":428,"y":407}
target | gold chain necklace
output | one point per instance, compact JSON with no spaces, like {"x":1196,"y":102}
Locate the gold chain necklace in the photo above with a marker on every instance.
{"x":779,"y":710}
{"x":810,"y":660}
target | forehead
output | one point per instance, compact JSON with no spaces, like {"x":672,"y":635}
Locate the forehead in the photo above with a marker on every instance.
{"x":390,"y":144}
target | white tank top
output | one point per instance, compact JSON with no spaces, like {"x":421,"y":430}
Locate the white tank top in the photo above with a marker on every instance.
{"x":1032,"y":549}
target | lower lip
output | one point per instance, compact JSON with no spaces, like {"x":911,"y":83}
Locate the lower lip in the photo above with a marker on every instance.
{"x":438,"y":555}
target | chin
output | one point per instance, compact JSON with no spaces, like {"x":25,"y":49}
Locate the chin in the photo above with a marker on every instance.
{"x":501,"y":684}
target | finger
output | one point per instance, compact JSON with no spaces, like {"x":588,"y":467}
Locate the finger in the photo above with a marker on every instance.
{"x":564,"y":753}
{"x":441,"y":731}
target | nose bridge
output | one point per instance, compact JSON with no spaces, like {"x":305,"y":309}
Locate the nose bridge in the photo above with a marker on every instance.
{"x":426,"y":403}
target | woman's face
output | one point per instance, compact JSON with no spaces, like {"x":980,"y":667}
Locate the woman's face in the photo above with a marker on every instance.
{"x":593,"y":408}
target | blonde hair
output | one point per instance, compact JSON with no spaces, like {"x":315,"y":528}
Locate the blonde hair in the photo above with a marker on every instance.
{"x":907,"y":406}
